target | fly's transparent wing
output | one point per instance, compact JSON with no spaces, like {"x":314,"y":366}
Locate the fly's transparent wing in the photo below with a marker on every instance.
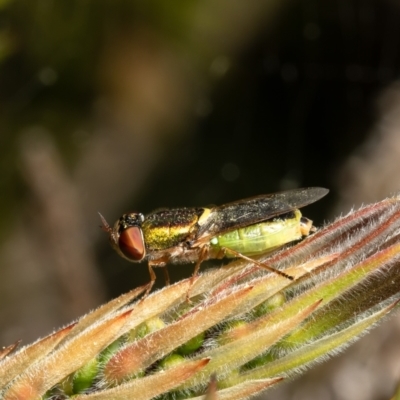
{"x":250,"y":211}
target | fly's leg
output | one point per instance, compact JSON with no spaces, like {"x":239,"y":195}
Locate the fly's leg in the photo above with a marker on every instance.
{"x":166,"y":275}
{"x":202,"y":256}
{"x":152,"y":265}
{"x":259,"y":264}
{"x":152,"y":280}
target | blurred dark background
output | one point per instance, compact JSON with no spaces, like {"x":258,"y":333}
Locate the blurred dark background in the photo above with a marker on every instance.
{"x":124,"y":105}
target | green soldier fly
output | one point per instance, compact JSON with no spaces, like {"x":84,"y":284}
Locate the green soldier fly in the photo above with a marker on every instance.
{"x":240,"y":229}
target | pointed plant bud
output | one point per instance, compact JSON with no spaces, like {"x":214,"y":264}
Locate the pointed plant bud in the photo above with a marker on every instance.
{"x":244,"y":330}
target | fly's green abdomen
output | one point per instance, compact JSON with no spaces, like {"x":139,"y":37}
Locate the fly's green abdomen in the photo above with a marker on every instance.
{"x":262,"y":237}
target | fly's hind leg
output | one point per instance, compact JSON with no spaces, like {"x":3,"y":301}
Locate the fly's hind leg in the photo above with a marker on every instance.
{"x":259,"y":264}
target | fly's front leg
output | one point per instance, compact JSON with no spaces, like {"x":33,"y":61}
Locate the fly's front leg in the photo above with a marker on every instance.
{"x":152,"y":279}
{"x":152,"y":265}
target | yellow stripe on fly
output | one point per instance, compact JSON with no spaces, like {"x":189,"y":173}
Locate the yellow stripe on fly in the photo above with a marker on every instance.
{"x":242,"y":229}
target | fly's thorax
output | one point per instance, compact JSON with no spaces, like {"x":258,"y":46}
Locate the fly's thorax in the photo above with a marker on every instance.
{"x":265,"y":236}
{"x":127,"y":237}
{"x":166,"y":229}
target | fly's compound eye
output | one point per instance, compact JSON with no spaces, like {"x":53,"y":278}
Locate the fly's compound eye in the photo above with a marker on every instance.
{"x":131,"y":243}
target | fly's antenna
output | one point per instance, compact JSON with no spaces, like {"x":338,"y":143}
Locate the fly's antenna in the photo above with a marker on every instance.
{"x":105,"y":226}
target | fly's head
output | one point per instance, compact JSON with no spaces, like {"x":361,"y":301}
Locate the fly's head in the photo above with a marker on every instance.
{"x":126,"y":236}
